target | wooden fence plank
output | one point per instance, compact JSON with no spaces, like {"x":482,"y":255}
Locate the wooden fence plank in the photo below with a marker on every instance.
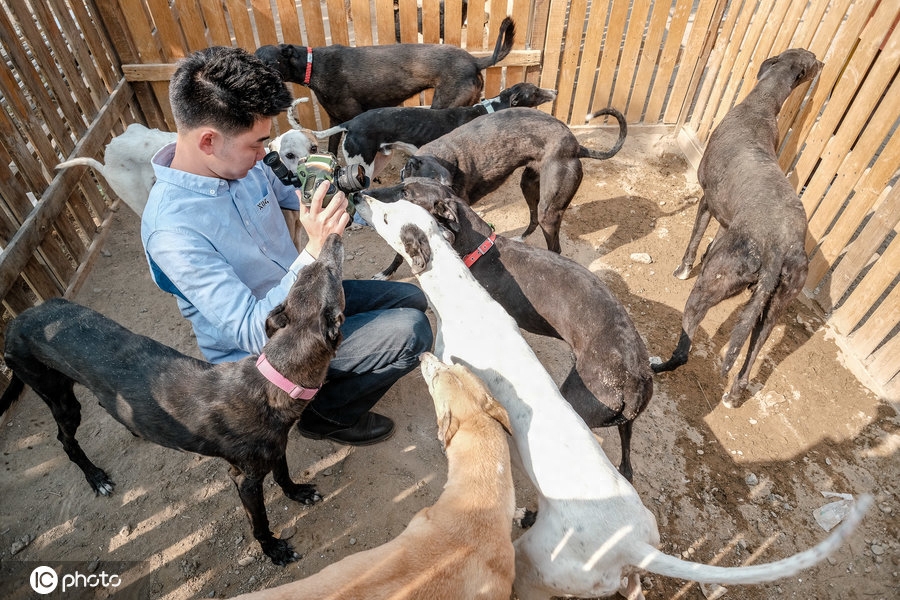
{"x":606,"y":73}
{"x":145,"y":45}
{"x":854,"y":173}
{"x":587,"y":70}
{"x":880,"y":276}
{"x":214,"y":17}
{"x":361,"y":13}
{"x":519,"y":12}
{"x":432,"y":21}
{"x":878,"y":325}
{"x":453,"y":22}
{"x":848,"y":80}
{"x":668,"y":59}
{"x":631,"y":50}
{"x":493,"y":76}
{"x":884,"y":361}
{"x":552,"y":45}
{"x":475,"y":20}
{"x":857,"y":120}
{"x":702,"y":42}
{"x":241,"y":24}
{"x":337,"y":22}
{"x":648,"y":61}
{"x":568,"y":67}
{"x":190,"y":22}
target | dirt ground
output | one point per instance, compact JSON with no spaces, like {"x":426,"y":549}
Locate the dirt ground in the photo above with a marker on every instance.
{"x":727,"y":486}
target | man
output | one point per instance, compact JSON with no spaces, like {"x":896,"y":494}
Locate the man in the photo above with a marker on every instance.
{"x":215,"y":237}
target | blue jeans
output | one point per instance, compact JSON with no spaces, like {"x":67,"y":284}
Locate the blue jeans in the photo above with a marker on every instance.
{"x":385,"y":331}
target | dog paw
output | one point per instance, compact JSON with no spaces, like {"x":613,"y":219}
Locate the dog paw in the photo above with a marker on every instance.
{"x":304,"y":494}
{"x":101,"y":483}
{"x":279,"y":551}
{"x":682,"y":272}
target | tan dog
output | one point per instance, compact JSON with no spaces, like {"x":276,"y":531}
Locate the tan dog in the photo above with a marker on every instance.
{"x":459,"y":548}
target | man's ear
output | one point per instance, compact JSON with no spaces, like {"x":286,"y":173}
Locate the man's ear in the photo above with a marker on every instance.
{"x":207,"y":141}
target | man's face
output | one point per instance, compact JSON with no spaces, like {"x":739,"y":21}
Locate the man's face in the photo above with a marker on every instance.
{"x":234,"y":156}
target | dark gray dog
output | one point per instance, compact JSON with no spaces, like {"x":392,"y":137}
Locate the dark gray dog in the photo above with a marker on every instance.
{"x":477,"y":158}
{"x":611,"y":383}
{"x":350,"y":80}
{"x":762,"y":224}
{"x":229,"y":410}
{"x":367,"y":133}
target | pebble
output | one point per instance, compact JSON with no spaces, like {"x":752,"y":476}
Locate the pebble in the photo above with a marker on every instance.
{"x":877,"y":549}
{"x":247,"y":560}
{"x":287,"y":533}
{"x":19,"y":544}
{"x":641,"y":257}
{"x":751,"y":480}
{"x":353,"y":541}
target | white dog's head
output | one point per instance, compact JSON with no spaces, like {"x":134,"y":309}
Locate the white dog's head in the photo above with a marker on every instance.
{"x":293,"y":146}
{"x":406,"y":227}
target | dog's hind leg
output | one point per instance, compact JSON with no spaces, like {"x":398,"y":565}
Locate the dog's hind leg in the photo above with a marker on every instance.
{"x":731,"y":264}
{"x":625,"y":441}
{"x":561,"y":181}
{"x":249,"y":486}
{"x":530,"y":184}
{"x":790,"y":285}
{"x":298,"y":492}
{"x":56,"y":390}
{"x":700,"y":224}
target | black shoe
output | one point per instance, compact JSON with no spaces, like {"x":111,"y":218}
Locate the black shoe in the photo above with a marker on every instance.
{"x":371,"y":428}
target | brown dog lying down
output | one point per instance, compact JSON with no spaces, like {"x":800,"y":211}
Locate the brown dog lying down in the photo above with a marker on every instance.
{"x":762,"y":223}
{"x":229,"y":410}
{"x":461,"y":546}
{"x":611,"y":382}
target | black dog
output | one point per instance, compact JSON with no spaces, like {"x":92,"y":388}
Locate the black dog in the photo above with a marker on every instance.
{"x":611,"y":382}
{"x":367,"y":133}
{"x":350,"y":80}
{"x":477,"y":158}
{"x":229,"y":410}
{"x":762,"y":223}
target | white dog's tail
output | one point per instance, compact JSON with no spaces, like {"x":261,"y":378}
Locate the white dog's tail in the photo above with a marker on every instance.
{"x":329,"y":132}
{"x":651,"y":559}
{"x":81,"y":162}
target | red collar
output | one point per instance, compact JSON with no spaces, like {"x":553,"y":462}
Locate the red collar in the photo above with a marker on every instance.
{"x":480,"y":251}
{"x":293,"y":390}
{"x":308,"y":66}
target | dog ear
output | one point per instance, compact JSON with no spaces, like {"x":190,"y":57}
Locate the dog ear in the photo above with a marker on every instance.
{"x":276,"y":320}
{"x":496,"y":411}
{"x":330,"y":322}
{"x":417,"y":247}
{"x":765,"y":66}
{"x":445,"y":212}
{"x":447,"y":428}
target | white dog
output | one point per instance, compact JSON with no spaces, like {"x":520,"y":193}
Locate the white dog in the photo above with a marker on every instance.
{"x":127,"y":168}
{"x":592,"y":535}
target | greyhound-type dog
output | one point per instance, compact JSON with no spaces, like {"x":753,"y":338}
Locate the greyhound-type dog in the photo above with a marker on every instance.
{"x":239,"y":411}
{"x":369,"y":132}
{"x":611,"y":382}
{"x":350,"y":80}
{"x":478,"y":157}
{"x":461,"y":546}
{"x":127,"y":167}
{"x":762,"y":223}
{"x":592,"y":534}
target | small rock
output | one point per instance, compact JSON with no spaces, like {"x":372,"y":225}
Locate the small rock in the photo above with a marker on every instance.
{"x":287,"y":533}
{"x":20,"y":544}
{"x":712,"y":591}
{"x":751,"y":480}
{"x":125,"y":531}
{"x":877,"y":549}
{"x":353,"y":541}
{"x":328,"y":472}
{"x":641,"y":257}
{"x":252,"y":581}
{"x":247,"y":560}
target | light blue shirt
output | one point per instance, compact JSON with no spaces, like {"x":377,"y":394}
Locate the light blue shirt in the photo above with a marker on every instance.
{"x":223,"y":249}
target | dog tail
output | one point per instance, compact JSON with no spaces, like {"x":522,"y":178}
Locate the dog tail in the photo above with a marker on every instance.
{"x":81,"y":162}
{"x":502,"y":48}
{"x":11,"y":393}
{"x":651,"y":559}
{"x":623,"y":131}
{"x":329,"y":132}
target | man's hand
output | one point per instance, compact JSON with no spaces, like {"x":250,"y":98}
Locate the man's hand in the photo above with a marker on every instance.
{"x":319,"y":222}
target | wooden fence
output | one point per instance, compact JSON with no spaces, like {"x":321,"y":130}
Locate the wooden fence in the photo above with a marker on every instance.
{"x":76,"y":72}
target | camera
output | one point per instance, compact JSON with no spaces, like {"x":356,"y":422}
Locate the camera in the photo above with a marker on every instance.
{"x":315,"y":169}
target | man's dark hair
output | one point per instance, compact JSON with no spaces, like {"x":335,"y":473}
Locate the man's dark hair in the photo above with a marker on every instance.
{"x":228,"y":88}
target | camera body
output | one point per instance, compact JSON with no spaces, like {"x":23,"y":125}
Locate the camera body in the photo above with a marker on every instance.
{"x":315,"y":169}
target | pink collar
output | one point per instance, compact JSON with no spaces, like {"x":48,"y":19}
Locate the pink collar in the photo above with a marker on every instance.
{"x":293,"y":390}
{"x":308,"y":65}
{"x":480,"y":251}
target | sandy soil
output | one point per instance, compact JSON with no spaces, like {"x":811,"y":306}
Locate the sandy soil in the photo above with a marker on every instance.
{"x":727,"y":486}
